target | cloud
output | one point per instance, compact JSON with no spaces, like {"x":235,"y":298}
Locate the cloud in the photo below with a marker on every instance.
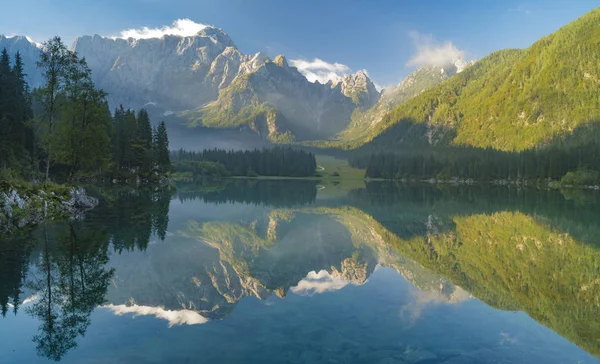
{"x":26,"y":301}
{"x":319,"y":70}
{"x":431,"y":53}
{"x":180,"y":27}
{"x":520,"y":9}
{"x":319,"y":283}
{"x":180,"y":317}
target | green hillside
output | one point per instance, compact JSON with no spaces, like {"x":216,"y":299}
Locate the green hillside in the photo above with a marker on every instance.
{"x":511,"y":100}
{"x":363,"y":121}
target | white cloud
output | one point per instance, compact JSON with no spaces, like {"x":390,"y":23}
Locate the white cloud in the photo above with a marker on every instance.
{"x":520,"y":9}
{"x":319,"y":70}
{"x":180,"y":317}
{"x":180,"y":27}
{"x":319,"y":283}
{"x":26,"y":301}
{"x":431,"y":53}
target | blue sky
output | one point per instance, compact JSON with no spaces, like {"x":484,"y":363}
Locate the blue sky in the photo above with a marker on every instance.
{"x":381,"y":36}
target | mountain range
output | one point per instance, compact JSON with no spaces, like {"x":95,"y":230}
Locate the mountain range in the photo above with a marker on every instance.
{"x":511,"y":100}
{"x":205,"y":81}
{"x":208,"y":82}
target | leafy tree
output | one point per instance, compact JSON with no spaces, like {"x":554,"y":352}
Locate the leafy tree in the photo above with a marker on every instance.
{"x":54,"y":61}
{"x":82,"y":139}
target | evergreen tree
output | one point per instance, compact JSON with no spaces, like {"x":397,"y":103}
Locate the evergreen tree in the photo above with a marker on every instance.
{"x":144,"y":141}
{"x":7,"y":85}
{"x":15,"y":113}
{"x":118,"y":137}
{"x":284,"y":162}
{"x":24,"y":115}
{"x":129,"y":140}
{"x":161,"y":146}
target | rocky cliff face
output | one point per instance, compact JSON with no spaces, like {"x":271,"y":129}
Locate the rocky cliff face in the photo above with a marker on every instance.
{"x":171,"y":73}
{"x":359,"y":88}
{"x":413,"y":85}
{"x":209,"y":82}
{"x":30,"y":52}
{"x":277,"y":101}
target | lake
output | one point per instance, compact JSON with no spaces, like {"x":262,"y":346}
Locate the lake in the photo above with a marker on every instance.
{"x":300,"y":272}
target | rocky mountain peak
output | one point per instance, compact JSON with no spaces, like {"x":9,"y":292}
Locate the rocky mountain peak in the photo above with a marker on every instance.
{"x":359,"y":88}
{"x":217,"y":35}
{"x":30,"y":52}
{"x":281,"y":61}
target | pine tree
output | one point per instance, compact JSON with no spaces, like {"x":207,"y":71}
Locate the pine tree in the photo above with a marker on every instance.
{"x":144,"y":131}
{"x":129,"y":140}
{"x":6,"y":109}
{"x":118,"y":140}
{"x":24,"y":114}
{"x":161,"y":141}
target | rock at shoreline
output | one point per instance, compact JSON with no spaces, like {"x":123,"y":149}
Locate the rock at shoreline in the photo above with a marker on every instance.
{"x":18,"y":210}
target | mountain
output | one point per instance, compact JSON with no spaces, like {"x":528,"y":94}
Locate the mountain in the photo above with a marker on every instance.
{"x":359,"y":88}
{"x":363,"y":120}
{"x":206,"y":80}
{"x":30,"y":51}
{"x":171,"y":73}
{"x":279,"y":103}
{"x":511,"y":100}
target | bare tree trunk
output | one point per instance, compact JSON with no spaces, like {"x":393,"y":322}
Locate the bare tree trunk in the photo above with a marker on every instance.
{"x":49,"y":142}
{"x":72,"y":172}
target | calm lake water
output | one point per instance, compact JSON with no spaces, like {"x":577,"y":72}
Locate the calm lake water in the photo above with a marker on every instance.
{"x":298,"y":272}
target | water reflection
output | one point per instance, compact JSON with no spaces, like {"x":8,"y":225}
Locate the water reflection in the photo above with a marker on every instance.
{"x":189,"y":258}
{"x":70,"y":280}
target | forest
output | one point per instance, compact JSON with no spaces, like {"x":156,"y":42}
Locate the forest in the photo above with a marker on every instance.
{"x":278,"y":161}
{"x":569,"y":165}
{"x":511,"y":100}
{"x":64,"y":130}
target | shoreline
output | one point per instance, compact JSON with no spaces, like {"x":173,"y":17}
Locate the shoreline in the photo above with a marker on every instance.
{"x":28,"y":207}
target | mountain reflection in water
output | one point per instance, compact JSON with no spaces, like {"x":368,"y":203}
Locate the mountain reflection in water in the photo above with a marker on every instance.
{"x":381,"y":274}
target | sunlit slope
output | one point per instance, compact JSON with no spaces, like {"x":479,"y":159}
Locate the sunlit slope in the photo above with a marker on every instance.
{"x":511,"y":100}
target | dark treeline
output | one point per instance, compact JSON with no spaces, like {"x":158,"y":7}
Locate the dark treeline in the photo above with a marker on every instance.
{"x":65,"y":129}
{"x":271,"y":193}
{"x":574,"y":165}
{"x":138,"y":149}
{"x":17,"y":142}
{"x":278,"y":161}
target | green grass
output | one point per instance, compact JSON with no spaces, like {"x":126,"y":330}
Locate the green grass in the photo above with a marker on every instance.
{"x":328,"y":165}
{"x":349,"y":178}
